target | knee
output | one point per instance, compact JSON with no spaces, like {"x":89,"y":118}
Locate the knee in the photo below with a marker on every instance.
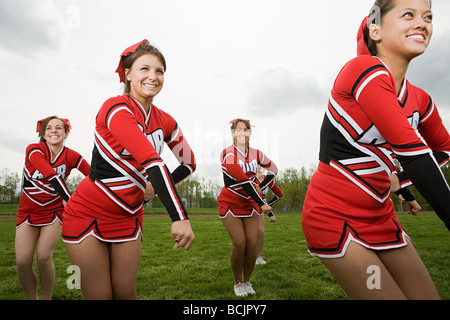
{"x":261,"y":233}
{"x":252,"y":244}
{"x":24,"y":263}
{"x":125,"y":294}
{"x":124,"y":289}
{"x":44,"y":259}
{"x":239,"y":245}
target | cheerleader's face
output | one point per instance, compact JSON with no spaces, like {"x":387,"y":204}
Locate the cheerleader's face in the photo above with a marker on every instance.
{"x":241,"y":134}
{"x":55,"y":133}
{"x":405,"y":30}
{"x":146,"y":77}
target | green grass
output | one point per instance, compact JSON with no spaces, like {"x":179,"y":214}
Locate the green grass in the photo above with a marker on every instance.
{"x":204,"y":273}
{"x":8,"y":210}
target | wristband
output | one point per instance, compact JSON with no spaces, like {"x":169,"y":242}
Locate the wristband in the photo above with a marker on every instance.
{"x":406,"y":194}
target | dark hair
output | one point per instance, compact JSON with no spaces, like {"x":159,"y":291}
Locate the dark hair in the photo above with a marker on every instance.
{"x":376,"y":15}
{"x":44,"y":124}
{"x":247,"y":125}
{"x":141,"y":50}
{"x":236,"y":121}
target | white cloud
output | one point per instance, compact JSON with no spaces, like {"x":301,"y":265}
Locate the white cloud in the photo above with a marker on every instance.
{"x":279,"y":92}
{"x":30,"y":27}
{"x":273,"y":62}
{"x":431,"y":70}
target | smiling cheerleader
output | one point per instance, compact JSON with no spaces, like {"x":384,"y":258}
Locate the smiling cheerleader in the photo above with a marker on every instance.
{"x":47,"y":165}
{"x":374,"y":115}
{"x":103,"y":225}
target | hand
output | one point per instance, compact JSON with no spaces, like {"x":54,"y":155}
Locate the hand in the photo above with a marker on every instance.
{"x":149,"y":193}
{"x":181,"y":233}
{"x":413,"y":207}
{"x":395,"y":183}
{"x":266,"y":209}
{"x":272,"y":219}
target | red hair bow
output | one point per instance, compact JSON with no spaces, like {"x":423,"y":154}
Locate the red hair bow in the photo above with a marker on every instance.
{"x":362,"y":49}
{"x":66,"y":121}
{"x":120,"y":69}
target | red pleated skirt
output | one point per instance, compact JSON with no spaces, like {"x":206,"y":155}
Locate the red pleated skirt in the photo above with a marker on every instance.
{"x":336,"y":211}
{"x":91,"y":212}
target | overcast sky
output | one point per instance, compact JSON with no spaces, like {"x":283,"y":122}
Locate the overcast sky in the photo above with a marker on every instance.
{"x":272,"y":62}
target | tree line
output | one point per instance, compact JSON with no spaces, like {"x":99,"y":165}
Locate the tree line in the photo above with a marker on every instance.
{"x":202,"y":193}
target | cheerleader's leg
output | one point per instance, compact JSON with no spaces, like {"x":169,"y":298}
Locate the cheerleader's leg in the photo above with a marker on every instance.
{"x":235,"y":229}
{"x":92,"y":257}
{"x":351,"y":272}
{"x":124,"y":259}
{"x":25,"y":244}
{"x":409,"y":272}
{"x":251,"y":227}
{"x":47,"y":242}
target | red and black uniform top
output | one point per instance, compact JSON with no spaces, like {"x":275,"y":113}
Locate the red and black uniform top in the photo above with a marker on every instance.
{"x":128,"y":145}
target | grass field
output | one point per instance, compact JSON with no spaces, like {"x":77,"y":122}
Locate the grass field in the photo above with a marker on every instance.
{"x":204,"y":273}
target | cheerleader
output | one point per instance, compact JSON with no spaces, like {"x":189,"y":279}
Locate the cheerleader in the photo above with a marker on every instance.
{"x":373,"y":116}
{"x":240,"y":204}
{"x":39,"y":217}
{"x":103,"y":229}
{"x":278,"y":194}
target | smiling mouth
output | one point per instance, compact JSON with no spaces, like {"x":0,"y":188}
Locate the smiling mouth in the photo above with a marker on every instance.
{"x":152,"y":86}
{"x":416,"y":37}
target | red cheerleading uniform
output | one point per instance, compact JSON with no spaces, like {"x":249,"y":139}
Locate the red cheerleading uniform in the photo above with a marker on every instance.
{"x":277,"y":193}
{"x":366,"y":126}
{"x":239,"y":196}
{"x":43,"y":186}
{"x":109,"y":203}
